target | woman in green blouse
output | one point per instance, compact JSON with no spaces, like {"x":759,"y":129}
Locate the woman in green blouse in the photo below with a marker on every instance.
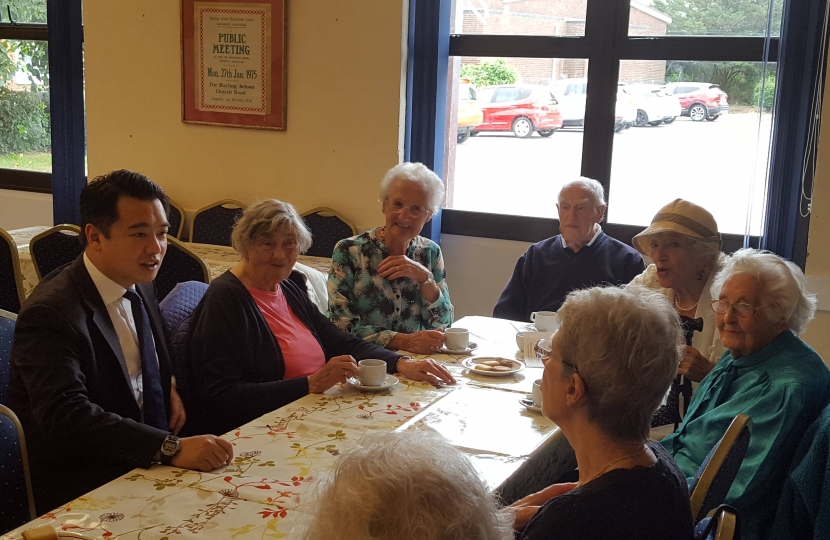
{"x":387,"y":285}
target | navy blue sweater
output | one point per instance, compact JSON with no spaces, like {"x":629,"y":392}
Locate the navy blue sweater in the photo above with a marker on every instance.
{"x":547,"y":272}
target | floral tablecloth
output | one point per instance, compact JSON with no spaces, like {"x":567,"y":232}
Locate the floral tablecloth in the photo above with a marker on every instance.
{"x":279,"y":456}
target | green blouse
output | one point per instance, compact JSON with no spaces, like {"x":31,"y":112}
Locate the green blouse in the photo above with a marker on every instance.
{"x":783,"y":388}
{"x":372,"y":307}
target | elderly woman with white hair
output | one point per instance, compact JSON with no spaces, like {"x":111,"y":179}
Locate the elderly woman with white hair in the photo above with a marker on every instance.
{"x":768,"y":373}
{"x":259,"y":343}
{"x":606,"y":371}
{"x":387,"y":285}
{"x":411,"y":485}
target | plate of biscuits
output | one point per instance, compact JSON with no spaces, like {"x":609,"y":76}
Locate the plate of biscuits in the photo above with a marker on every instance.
{"x":492,"y":366}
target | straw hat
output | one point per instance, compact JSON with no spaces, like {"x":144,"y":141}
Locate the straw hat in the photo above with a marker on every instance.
{"x":682,"y":217}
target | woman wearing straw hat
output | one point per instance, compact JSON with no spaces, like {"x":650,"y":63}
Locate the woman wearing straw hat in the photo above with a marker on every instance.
{"x":684,"y":245}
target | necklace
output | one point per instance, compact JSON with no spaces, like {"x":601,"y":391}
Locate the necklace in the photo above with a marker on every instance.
{"x":605,"y":469}
{"x":681,"y":308}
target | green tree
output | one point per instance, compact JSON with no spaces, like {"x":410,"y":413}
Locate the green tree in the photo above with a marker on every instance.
{"x":28,"y":56}
{"x":721,"y":17}
{"x":489,"y":72}
{"x":769,"y":93}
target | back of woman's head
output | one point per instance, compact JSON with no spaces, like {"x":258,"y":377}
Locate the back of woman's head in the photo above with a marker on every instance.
{"x":626,"y":345}
{"x":411,"y":485}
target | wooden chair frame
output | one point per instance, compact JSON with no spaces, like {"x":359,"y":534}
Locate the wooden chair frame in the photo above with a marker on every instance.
{"x":726,"y":443}
{"x":208,"y":207}
{"x":48,"y":232}
{"x":183,"y":246}
{"x":18,"y":276}
{"x":5,"y":411}
{"x":328,"y":212}
{"x":180,"y":208}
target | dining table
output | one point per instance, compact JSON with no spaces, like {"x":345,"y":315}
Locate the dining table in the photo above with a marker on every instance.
{"x":219,"y":259}
{"x":280,"y":457}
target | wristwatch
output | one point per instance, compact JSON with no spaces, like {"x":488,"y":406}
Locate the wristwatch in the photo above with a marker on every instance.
{"x":170,"y":449}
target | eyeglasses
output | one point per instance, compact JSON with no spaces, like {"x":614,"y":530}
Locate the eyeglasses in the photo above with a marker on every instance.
{"x":269,"y":244}
{"x":741,"y":309}
{"x":543,"y":353}
{"x":415,"y":210}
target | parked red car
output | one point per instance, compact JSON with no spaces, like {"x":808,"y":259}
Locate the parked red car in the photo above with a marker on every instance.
{"x":700,"y":100}
{"x":521,"y":109}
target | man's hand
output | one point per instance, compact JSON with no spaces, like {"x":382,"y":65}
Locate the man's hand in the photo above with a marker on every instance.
{"x":336,"y":370}
{"x":425,"y":370}
{"x":203,"y":453}
{"x":177,"y":414}
{"x":694,"y":365}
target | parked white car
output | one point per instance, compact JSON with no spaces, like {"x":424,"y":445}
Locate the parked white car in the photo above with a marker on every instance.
{"x":654,"y":105}
{"x":571,"y":93}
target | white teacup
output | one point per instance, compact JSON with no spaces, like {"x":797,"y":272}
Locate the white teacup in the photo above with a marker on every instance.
{"x":534,"y":337}
{"x":545,"y":321}
{"x":537,"y":392}
{"x":457,"y":338}
{"x":372,"y":372}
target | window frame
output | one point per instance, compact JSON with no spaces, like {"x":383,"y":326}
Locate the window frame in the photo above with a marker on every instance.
{"x":606,"y":42}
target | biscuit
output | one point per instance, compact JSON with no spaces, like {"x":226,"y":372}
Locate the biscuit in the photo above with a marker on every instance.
{"x":483,"y":367}
{"x":502,"y":368}
{"x":491,"y":363}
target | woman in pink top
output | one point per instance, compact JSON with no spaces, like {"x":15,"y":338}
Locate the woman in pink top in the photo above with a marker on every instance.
{"x":259,"y":343}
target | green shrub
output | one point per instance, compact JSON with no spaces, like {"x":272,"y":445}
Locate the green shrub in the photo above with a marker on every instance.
{"x":24,"y":122}
{"x":489,"y":72}
{"x":769,"y":93}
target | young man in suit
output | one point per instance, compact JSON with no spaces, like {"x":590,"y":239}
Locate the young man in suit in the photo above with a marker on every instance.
{"x":91,"y":377}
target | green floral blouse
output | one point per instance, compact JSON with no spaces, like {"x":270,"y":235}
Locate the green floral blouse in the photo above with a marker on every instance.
{"x":375,"y":309}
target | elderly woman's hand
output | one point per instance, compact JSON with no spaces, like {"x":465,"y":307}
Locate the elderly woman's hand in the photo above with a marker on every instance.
{"x":694,"y":365}
{"x":421,"y":342}
{"x":425,"y":370}
{"x":398,"y":266}
{"x":336,"y":370}
{"x":525,"y":508}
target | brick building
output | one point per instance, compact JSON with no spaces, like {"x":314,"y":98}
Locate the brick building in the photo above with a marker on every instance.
{"x":556,"y":18}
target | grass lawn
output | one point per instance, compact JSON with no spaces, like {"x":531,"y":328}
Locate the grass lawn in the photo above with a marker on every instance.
{"x":33,"y":161}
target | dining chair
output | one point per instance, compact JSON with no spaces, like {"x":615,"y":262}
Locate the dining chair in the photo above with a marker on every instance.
{"x":55,"y":247}
{"x":722,"y":523}
{"x":213,"y":223}
{"x":717,"y":472}
{"x":179,"y":265}
{"x":175,"y":217}
{"x":17,"y":505}
{"x":176,"y":310}
{"x":327,"y":227}
{"x":11,"y":280}
{"x":7,"y":322}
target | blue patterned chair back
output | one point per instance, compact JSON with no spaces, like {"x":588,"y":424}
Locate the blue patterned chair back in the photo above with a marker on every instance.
{"x":213,"y":224}
{"x":11,"y":284}
{"x":175,"y":217}
{"x":16,"y":503}
{"x":717,"y":472}
{"x":176,"y":310}
{"x":54,"y":248}
{"x":327,"y":228}
{"x":724,"y":524}
{"x":179,"y":265}
{"x":7,"y":321}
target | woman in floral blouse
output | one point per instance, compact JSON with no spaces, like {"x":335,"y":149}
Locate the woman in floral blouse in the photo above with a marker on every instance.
{"x":387,"y":285}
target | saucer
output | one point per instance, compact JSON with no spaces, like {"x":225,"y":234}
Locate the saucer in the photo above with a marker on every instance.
{"x":530,"y":405}
{"x":470,"y":348}
{"x":390,"y":381}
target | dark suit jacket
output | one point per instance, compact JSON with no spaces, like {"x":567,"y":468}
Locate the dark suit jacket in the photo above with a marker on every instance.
{"x":70,"y":387}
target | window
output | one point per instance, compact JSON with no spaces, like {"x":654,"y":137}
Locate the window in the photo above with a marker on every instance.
{"x":685,"y":113}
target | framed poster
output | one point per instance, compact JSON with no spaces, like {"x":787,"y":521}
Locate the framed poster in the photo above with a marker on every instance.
{"x":233,"y":63}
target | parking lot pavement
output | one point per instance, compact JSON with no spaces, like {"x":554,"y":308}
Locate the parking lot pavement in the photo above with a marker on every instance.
{"x":720,"y":165}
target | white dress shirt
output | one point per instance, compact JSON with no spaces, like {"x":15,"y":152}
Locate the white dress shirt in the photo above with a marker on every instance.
{"x":597,"y":230}
{"x":121,"y":315}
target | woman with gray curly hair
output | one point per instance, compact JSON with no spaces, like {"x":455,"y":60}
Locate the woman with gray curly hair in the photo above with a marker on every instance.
{"x":761,"y":304}
{"x":410,"y":485}
{"x":259,"y":343}
{"x":388,"y":285}
{"x":606,"y":371}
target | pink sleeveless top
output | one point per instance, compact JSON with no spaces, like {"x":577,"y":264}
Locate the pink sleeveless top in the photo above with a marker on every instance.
{"x":301,"y":352}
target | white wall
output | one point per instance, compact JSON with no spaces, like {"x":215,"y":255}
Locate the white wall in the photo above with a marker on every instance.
{"x":20,"y":209}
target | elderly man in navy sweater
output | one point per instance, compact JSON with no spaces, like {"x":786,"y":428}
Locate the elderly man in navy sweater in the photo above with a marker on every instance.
{"x":581,"y":256}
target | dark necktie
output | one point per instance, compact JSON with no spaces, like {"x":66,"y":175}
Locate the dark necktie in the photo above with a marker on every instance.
{"x":154,"y":412}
